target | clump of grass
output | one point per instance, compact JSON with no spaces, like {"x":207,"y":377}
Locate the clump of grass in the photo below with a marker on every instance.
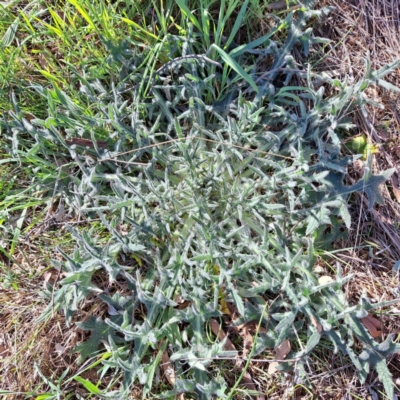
{"x":217,"y":184}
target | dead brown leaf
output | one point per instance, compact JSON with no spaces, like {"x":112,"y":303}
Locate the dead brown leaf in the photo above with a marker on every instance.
{"x":248,"y":381}
{"x":272,"y":368}
{"x":29,"y":117}
{"x":181,"y":302}
{"x":316,"y":324}
{"x":280,"y":354}
{"x":221,"y":335}
{"x":373,"y":325}
{"x":283,"y":350}
{"x":168,"y":369}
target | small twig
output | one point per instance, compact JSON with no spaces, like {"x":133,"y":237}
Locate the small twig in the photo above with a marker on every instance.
{"x":184,"y":138}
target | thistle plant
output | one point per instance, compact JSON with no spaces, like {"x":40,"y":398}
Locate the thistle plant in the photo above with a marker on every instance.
{"x":217,"y":185}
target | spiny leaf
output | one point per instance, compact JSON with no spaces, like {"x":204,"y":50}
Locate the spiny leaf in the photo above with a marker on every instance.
{"x":100,"y":331}
{"x":318,"y":218}
{"x":385,"y":377}
{"x":313,"y":341}
{"x":371,"y":185}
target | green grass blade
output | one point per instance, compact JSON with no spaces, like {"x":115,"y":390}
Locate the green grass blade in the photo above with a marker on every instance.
{"x":236,"y":67}
{"x":137,"y":26}
{"x":84,"y":14}
{"x":89,"y":386}
{"x":238,"y":23}
{"x":188,"y":14}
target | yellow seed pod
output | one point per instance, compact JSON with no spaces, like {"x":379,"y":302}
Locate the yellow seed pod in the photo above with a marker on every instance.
{"x":360,"y":145}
